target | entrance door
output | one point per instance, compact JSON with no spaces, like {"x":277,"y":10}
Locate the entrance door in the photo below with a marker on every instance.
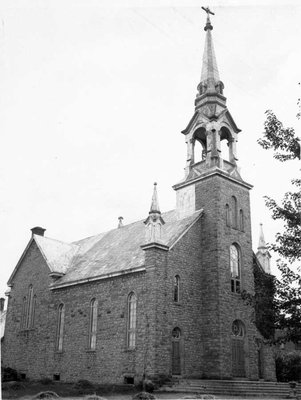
{"x":238,"y":358}
{"x":176,"y":352}
{"x":238,"y":354}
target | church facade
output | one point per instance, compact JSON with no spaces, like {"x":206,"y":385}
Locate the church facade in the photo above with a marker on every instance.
{"x":158,"y":297}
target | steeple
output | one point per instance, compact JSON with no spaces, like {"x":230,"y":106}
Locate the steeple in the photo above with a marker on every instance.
{"x":154,"y":221}
{"x":263,"y":254}
{"x":210,"y":125}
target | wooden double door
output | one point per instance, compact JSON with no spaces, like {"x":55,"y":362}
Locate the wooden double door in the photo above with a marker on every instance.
{"x":238,"y":358}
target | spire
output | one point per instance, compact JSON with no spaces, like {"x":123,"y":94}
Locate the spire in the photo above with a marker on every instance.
{"x":210,"y":81}
{"x":154,"y":221}
{"x":263,"y":254}
{"x":261,"y":243}
{"x":155,"y":203}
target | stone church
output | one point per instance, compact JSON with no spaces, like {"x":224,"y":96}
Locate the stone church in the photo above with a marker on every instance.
{"x":157,"y":297}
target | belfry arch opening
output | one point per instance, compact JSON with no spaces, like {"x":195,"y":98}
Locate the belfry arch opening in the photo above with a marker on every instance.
{"x":199,"y":145}
{"x":226,"y":144}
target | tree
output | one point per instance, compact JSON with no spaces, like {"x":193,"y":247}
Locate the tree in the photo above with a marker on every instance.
{"x":286,"y":146}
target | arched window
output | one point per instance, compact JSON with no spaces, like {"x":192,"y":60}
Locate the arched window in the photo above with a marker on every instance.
{"x":93,"y":324}
{"x":233,"y":212}
{"x":228,"y":222}
{"x":30,"y":306}
{"x":23,"y":316}
{"x":235,"y":268}
{"x":60,"y":327}
{"x":131,"y":327}
{"x":241,"y":220}
{"x":176,"y":290}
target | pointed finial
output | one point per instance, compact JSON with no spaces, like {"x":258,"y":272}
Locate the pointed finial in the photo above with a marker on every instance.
{"x":155,"y":203}
{"x":120,"y":223}
{"x":261,"y":243}
{"x":208,"y":22}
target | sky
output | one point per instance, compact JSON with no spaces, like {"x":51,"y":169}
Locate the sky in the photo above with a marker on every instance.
{"x":94,"y":95}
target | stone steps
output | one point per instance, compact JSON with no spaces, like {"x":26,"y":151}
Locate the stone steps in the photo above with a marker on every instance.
{"x":232,"y":387}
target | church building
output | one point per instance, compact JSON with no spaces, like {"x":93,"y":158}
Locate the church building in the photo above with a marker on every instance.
{"x":157,"y":297}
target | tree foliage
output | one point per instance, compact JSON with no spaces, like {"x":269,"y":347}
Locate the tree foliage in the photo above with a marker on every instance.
{"x":286,"y":146}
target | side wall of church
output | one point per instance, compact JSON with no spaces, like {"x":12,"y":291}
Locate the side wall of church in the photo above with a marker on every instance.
{"x":33,"y":351}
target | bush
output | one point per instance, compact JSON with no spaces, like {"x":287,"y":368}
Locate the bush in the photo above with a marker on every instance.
{"x":288,"y":367}
{"x":46,"y":395}
{"x":144,"y":396}
{"x":9,"y":374}
{"x":12,"y":385}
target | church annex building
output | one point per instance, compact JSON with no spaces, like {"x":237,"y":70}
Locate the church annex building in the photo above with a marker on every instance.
{"x":160,"y":296}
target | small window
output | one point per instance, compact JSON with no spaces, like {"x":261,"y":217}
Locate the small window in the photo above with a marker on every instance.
{"x":29,"y":311}
{"x":60,"y":328}
{"x":93,"y":324}
{"x":176,"y":292}
{"x":129,"y":380}
{"x":235,"y":269}
{"x":131,"y":327}
{"x":56,"y":377}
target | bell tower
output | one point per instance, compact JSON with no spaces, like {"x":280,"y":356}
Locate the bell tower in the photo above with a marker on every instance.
{"x":215,"y":185}
{"x":210,"y":124}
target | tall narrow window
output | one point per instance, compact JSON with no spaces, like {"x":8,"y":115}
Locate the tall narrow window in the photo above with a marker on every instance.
{"x":93,"y":324}
{"x":235,"y":268}
{"x":176,"y":291}
{"x":228,"y":223}
{"x":241,"y":220}
{"x":29,"y":308}
{"x":60,"y":327}
{"x":131,"y":331}
{"x":233,"y":212}
{"x":33,"y":310}
{"x":23,"y":316}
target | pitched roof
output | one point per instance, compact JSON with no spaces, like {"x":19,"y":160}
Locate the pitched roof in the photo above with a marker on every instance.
{"x":119,"y":250}
{"x":57,"y":254}
{"x":110,"y":253}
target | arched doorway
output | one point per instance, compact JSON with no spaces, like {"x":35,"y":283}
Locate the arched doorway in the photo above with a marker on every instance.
{"x":176,"y":352}
{"x":238,"y":354}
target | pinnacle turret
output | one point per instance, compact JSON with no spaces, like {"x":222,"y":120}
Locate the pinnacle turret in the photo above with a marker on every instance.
{"x":263,"y":254}
{"x":154,"y":221}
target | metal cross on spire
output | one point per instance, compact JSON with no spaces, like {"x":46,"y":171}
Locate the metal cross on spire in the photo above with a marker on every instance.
{"x":208,"y":11}
{"x":208,"y":23}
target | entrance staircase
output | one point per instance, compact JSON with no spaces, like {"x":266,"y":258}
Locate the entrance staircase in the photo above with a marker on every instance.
{"x":242,"y":388}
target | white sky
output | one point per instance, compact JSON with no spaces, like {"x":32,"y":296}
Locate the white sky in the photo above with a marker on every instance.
{"x":94,"y":95}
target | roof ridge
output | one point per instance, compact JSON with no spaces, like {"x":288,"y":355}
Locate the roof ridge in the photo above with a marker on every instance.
{"x":55,"y":240}
{"x":114,"y":229}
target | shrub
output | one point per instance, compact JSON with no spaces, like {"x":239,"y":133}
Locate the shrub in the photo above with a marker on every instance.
{"x":94,"y":397}
{"x":46,"y":395}
{"x":288,"y":367}
{"x":144,"y":396}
